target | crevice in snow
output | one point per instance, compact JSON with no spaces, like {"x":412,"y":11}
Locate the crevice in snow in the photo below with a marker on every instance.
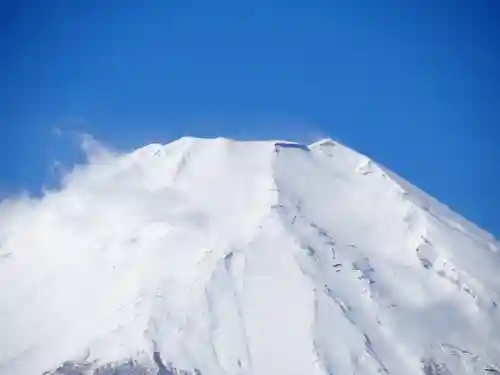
{"x":426,"y":253}
{"x":365,"y":272}
{"x":371,"y":351}
{"x":430,"y":367}
{"x":162,"y":369}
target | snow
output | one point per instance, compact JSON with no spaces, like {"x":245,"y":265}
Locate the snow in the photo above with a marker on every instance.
{"x":214,"y":256}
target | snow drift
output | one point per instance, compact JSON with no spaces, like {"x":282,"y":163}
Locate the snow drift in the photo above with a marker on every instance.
{"x":224,"y":257}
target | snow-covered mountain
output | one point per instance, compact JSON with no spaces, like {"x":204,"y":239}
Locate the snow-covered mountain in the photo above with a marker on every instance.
{"x":212,"y":256}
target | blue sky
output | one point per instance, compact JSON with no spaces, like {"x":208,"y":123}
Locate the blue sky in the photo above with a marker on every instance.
{"x":413,"y":84}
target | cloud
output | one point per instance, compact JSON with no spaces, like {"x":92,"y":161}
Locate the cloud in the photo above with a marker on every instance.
{"x":23,"y":214}
{"x":94,"y":150}
{"x":57,"y":132}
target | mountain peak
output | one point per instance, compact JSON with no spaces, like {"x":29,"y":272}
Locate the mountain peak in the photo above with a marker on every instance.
{"x":215,"y":256}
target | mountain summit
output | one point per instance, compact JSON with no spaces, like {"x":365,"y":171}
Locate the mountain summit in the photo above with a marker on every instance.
{"x":221,"y":257}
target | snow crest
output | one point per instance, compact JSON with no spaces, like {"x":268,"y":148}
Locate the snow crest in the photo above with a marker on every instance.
{"x":213,"y":256}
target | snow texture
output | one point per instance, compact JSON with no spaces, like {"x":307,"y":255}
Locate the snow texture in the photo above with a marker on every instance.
{"x":213,"y":256}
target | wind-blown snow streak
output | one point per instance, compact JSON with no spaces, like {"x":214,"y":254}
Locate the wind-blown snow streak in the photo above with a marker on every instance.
{"x":224,"y":257}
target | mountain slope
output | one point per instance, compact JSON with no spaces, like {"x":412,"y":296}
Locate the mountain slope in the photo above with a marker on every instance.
{"x":224,"y":257}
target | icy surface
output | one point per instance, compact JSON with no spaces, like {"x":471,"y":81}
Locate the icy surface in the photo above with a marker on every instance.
{"x":257,"y":258}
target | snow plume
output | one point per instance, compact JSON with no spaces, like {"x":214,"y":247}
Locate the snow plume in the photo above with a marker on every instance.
{"x":17,"y":209}
{"x":94,"y":150}
{"x":24,"y":215}
{"x":211,"y":256}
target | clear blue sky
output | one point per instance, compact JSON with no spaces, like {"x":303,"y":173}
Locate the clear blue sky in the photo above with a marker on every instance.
{"x":415,"y":84}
